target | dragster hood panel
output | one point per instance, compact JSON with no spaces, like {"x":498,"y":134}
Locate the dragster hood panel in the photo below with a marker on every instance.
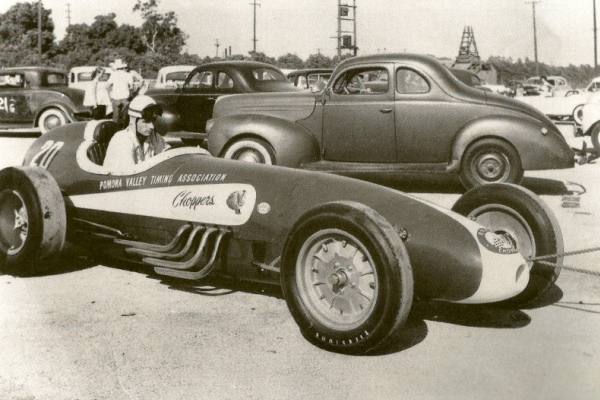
{"x":293,"y":106}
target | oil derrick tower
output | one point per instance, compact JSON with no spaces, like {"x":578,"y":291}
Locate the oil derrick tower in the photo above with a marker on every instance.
{"x":468,"y":56}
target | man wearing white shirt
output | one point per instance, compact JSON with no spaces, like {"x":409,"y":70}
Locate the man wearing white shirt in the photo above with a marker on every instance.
{"x":120,"y":86}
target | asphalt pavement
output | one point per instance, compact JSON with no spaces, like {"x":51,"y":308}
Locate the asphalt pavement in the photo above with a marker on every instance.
{"x":104,"y":330}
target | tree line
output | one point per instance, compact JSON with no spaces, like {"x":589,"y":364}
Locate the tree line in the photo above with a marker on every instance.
{"x":159,"y":42}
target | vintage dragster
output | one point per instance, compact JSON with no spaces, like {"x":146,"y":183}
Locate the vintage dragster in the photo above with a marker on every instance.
{"x":350,"y":255}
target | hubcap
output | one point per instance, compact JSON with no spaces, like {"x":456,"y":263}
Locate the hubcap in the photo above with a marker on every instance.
{"x":337,"y":279}
{"x":14,"y":222}
{"x":249,"y":155}
{"x":506,"y":221}
{"x":492,"y":167}
{"x":51,"y":122}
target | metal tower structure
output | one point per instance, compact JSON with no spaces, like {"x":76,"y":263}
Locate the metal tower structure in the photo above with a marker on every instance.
{"x":468,"y":55}
{"x":346,"y":39}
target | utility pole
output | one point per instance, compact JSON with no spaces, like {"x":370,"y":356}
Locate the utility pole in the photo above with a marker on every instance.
{"x":346,"y":41}
{"x":68,"y":15}
{"x":254,"y":40}
{"x":537,"y":68}
{"x":40,"y":33}
{"x":595,"y":38}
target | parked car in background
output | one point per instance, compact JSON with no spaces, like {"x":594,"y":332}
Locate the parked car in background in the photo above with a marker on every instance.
{"x":498,"y":89}
{"x":186,"y":109}
{"x":81,"y":77}
{"x":425,"y":119}
{"x":308,"y":78}
{"x":591,"y":119}
{"x":557,"y":106}
{"x":172,"y":76}
{"x":38,"y":97}
{"x":559,"y":84}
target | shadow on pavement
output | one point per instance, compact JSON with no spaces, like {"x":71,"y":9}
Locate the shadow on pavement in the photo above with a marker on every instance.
{"x":450,"y":184}
{"x":71,"y":259}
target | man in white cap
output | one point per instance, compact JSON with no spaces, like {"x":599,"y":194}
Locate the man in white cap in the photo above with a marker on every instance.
{"x":120,"y":87}
{"x":138,"y":142}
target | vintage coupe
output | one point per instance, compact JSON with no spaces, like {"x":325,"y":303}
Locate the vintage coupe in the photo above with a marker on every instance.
{"x":350,"y":255}
{"x":38,"y":97}
{"x":421,"y":118}
{"x":187,"y":108}
{"x":310,"y":78}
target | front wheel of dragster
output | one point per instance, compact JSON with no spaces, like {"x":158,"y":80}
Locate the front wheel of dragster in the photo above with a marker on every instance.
{"x":346,"y":278}
{"x":32,"y":220}
{"x":530,"y":225}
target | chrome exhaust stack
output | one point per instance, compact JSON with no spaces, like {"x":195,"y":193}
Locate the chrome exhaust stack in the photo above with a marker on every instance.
{"x":180,"y":258}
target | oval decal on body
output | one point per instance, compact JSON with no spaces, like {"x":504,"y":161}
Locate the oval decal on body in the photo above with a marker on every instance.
{"x":263,"y":208}
{"x":498,"y":243}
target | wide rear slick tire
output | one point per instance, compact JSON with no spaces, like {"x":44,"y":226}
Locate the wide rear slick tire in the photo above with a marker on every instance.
{"x":346,"y":278}
{"x":32,"y":220}
{"x":506,"y":208}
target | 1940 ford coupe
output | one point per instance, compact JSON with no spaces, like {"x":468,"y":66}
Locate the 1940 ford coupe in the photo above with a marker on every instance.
{"x":349,"y":255}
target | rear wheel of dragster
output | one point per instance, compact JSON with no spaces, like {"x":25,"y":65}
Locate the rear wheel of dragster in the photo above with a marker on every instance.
{"x":251,"y":150}
{"x":32,"y":220}
{"x":530,"y":224}
{"x":346,"y":278}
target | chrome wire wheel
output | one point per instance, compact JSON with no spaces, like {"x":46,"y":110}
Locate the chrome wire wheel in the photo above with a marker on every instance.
{"x":14,"y":222}
{"x":507,"y":222}
{"x":337,"y":279}
{"x":491,"y":166}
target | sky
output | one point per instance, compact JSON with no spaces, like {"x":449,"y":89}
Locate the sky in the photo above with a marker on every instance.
{"x":565,"y":28}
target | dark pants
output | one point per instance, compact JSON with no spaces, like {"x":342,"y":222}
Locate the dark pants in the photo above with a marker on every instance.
{"x":120,"y":112}
{"x":99,"y":112}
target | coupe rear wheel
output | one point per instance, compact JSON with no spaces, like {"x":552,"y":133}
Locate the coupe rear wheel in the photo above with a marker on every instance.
{"x":531,"y":225}
{"x":32,"y":220}
{"x":251,"y":150}
{"x":490,"y":161}
{"x":346,"y":278}
{"x":50,"y":119}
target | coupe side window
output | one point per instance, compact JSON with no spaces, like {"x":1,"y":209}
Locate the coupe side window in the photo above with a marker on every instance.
{"x":224,"y":81}
{"x":362,"y":81}
{"x":201,"y":79}
{"x":410,"y":82}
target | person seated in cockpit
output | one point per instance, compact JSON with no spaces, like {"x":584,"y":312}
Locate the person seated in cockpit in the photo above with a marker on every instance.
{"x":139,"y":141}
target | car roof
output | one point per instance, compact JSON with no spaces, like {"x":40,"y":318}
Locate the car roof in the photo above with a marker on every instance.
{"x":238,"y":64}
{"x":51,"y":69}
{"x":171,"y":68}
{"x":391,"y":57}
{"x":310,"y":71}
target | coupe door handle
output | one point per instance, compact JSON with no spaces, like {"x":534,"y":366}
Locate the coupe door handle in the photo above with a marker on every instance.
{"x":386,"y":110}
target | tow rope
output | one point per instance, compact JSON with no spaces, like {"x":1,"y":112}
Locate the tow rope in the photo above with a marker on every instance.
{"x":540,"y":259}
